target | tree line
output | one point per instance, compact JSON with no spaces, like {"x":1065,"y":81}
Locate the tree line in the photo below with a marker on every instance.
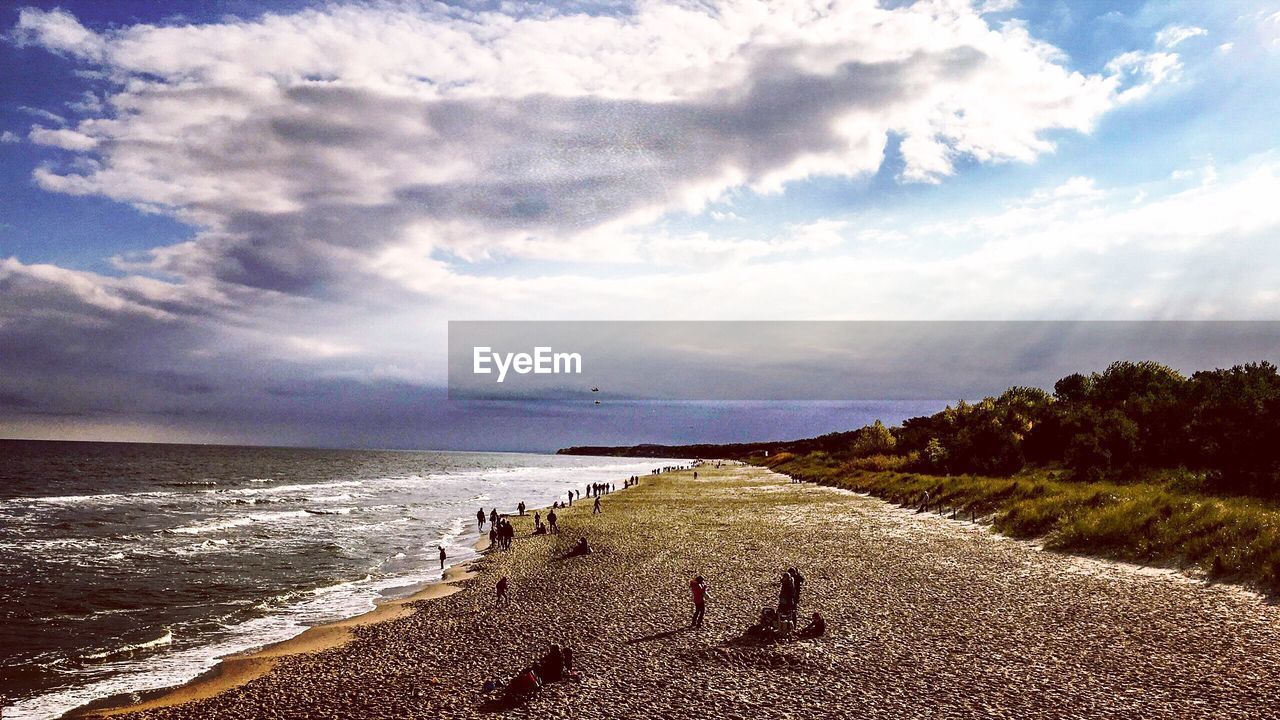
{"x":1121,"y":423}
{"x":1132,"y":418}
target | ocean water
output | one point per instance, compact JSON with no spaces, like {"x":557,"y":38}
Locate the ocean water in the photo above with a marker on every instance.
{"x":129,"y":567}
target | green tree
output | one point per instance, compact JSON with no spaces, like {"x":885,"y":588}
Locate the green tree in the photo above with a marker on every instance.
{"x":874,"y":440}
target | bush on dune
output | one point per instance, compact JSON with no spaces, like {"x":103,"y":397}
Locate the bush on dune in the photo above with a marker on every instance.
{"x":1225,"y":537}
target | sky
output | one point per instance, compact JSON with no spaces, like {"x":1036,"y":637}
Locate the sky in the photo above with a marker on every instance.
{"x":236,"y":221}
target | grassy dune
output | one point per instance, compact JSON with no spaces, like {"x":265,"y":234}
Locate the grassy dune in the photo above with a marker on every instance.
{"x":1226,"y":538}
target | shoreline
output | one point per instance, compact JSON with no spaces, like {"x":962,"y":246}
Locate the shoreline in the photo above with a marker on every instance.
{"x":239,"y":669}
{"x":924,"y":617}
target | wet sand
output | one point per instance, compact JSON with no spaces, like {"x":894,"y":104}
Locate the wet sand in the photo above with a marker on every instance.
{"x":928,"y":617}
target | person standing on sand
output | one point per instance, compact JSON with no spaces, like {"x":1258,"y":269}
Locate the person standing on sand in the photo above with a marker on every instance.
{"x":698,"y":589}
{"x":787,"y":596}
{"x":520,"y":507}
{"x":480,"y":519}
{"x":502,"y":598}
{"x":442,"y":556}
{"x":596,"y":509}
{"x":797,"y":581}
{"x":570,"y":498}
{"x":493,"y":516}
{"x":551,"y":520}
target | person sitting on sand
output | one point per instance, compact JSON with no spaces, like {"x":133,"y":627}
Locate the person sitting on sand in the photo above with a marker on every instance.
{"x":523,"y":686}
{"x":552,"y":666}
{"x":501,"y":596}
{"x":698,"y":589}
{"x":582,"y":547}
{"x":764,"y":627}
{"x":540,"y":529}
{"x":595,"y":510}
{"x":817,"y":627}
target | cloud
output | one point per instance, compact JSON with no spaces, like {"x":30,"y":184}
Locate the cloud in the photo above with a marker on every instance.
{"x":354,"y":130}
{"x":1173,"y":35}
{"x":1146,"y":71}
{"x":356,"y":173}
{"x":62,"y":138}
{"x":9,"y":137}
{"x":997,"y":6}
{"x":59,"y":31}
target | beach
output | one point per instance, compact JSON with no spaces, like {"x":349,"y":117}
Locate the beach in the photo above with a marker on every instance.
{"x":927,"y":617}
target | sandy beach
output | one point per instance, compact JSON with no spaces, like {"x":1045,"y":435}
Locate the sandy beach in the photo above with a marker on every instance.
{"x":928,"y":617}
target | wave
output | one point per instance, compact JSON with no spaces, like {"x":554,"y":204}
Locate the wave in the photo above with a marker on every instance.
{"x":207,"y":546}
{"x":332,"y":511}
{"x":99,"y":498}
{"x":165,"y":639}
{"x":217,"y":525}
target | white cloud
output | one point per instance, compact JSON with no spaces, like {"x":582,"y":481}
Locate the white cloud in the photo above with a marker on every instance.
{"x":1145,"y":70}
{"x":997,"y":6}
{"x":9,"y":137}
{"x":300,"y":141}
{"x":62,"y":138}
{"x":358,"y":173}
{"x":1173,"y":35}
{"x":57,"y":30}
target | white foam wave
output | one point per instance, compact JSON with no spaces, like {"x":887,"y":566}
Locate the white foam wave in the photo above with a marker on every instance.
{"x":216,"y":525}
{"x":165,"y":639}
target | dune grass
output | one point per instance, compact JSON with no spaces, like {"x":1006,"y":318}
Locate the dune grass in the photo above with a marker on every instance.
{"x":1234,"y":539}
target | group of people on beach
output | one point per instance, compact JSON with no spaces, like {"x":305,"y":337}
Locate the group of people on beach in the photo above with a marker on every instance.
{"x":549,"y":527}
{"x":501,"y":531}
{"x":555,"y":666}
{"x":669,"y":468}
{"x":774,"y":622}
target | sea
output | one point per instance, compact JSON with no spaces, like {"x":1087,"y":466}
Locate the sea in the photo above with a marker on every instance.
{"x":126,"y":568}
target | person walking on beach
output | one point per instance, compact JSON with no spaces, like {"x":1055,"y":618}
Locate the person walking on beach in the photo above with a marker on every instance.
{"x":493,"y":516}
{"x":551,"y":520}
{"x":502,"y":598}
{"x":595,"y":510}
{"x":480,"y":519}
{"x":442,"y":556}
{"x":698,"y":589}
